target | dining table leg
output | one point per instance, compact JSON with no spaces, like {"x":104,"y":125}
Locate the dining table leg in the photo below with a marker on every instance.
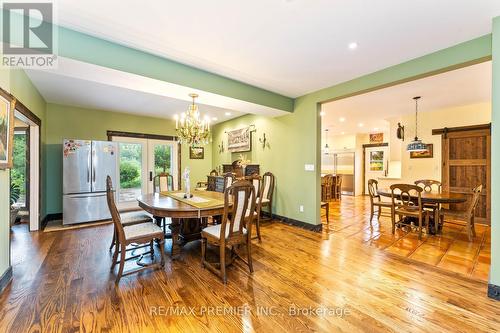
{"x":175,"y":228}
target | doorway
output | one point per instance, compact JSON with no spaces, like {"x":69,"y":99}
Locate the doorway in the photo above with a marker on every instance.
{"x":140,"y":160}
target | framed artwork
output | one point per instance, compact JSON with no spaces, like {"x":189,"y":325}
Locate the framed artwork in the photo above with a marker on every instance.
{"x":7,"y":106}
{"x":196,"y":153}
{"x":239,"y":140}
{"x":377,"y":138}
{"x":429,"y":153}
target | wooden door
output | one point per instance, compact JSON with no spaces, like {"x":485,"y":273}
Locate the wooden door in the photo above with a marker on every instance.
{"x":466,"y":155}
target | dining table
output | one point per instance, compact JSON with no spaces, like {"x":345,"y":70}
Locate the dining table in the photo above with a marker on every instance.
{"x":432,"y":197}
{"x":188,"y":215}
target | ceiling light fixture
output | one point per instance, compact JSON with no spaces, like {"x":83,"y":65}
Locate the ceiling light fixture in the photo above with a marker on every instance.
{"x":341,"y":119}
{"x":214,"y":118}
{"x":353,"y":46}
{"x":227,"y":113}
{"x":416,"y":145}
{"x":361,"y":124}
{"x":190,"y":128}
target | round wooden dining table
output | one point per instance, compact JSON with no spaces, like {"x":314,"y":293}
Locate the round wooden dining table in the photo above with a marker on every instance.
{"x":431,"y":198}
{"x":186,"y":219}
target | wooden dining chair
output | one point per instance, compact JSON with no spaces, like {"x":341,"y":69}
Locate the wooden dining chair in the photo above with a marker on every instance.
{"x":142,"y":233}
{"x":228,"y":179}
{"x":327,"y":188}
{"x":430,"y":185}
{"x":338,"y":187}
{"x":376,"y":201}
{"x":266,"y":194}
{"x":162,"y":182}
{"x":234,"y":230}
{"x":403,"y":205}
{"x":467,"y":215}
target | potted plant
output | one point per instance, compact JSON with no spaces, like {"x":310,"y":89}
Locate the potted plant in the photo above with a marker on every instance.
{"x":15,"y":192}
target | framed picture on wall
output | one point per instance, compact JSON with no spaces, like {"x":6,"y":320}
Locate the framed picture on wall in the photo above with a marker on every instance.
{"x":196,"y":153}
{"x":429,"y":153}
{"x":7,"y":106}
{"x":376,"y":137}
{"x":239,"y":140}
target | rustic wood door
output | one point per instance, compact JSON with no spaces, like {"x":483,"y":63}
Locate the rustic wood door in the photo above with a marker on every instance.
{"x":466,"y":155}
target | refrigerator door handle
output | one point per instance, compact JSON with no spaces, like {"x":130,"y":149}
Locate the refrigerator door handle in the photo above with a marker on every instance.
{"x":93,"y":165}
{"x":88,"y":169}
{"x":78,"y":196}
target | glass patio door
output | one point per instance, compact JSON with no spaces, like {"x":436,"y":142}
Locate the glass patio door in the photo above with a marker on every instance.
{"x":139,"y":161}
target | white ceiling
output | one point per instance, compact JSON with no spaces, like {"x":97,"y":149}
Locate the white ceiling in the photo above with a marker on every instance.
{"x":86,"y":85}
{"x":464,"y":86}
{"x":287,"y":46}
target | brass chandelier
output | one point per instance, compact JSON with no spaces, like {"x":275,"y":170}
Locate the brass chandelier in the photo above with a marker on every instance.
{"x":190,"y":128}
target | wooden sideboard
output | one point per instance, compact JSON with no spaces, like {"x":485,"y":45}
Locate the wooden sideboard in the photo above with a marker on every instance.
{"x":250,"y":169}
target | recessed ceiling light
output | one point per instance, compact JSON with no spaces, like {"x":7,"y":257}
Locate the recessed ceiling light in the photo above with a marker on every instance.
{"x":322,"y":113}
{"x":353,"y":46}
{"x":342,"y":133}
{"x":375,"y":128}
{"x":227,"y":113}
{"x":214,"y":118}
{"x":341,"y":119}
{"x":361,"y":125}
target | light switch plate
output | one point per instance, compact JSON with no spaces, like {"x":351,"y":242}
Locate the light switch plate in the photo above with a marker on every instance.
{"x":309,"y":167}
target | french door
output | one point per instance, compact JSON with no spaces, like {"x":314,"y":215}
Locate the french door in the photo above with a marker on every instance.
{"x":140,"y":160}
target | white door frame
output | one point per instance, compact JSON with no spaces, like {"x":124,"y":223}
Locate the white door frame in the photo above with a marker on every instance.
{"x":34,"y":172}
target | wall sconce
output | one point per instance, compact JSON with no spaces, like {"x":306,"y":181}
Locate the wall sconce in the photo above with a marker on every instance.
{"x":264,"y":142}
{"x":221,"y":147}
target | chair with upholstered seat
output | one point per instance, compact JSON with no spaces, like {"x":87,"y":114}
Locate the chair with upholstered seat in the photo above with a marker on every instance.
{"x":375,"y":200}
{"x":255,"y":179}
{"x":234,"y":230}
{"x":143,"y":233}
{"x":228,"y":179}
{"x":467,"y":215}
{"x":403,"y":205}
{"x":266,"y":194}
{"x":130,"y":218}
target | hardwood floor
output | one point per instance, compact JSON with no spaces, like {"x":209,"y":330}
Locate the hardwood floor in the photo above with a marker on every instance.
{"x":451,"y":250}
{"x":62,"y":283}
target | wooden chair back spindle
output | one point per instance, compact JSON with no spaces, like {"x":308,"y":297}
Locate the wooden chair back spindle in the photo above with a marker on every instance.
{"x":242,"y":196}
{"x":267,"y":186}
{"x":228,"y":179}
{"x":476,"y":195}
{"x":428,"y":185}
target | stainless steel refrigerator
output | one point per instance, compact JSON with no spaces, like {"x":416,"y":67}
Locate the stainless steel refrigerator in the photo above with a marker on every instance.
{"x":85,"y":167}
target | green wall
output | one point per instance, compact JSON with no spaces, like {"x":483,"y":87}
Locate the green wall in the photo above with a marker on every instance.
{"x":79,"y":123}
{"x":495,"y":158}
{"x":291,"y":145}
{"x":18,"y":84}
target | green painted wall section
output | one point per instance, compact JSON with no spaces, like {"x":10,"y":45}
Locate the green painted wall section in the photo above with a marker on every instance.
{"x":18,"y":84}
{"x":80,"y":123}
{"x":290,"y":147}
{"x":495,"y":158}
{"x":4,"y":197}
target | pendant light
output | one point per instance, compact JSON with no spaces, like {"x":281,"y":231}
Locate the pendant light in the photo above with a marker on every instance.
{"x":326,"y":150}
{"x":416,"y":145}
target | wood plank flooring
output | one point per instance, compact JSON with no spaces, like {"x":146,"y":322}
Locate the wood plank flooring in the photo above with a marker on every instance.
{"x":451,"y":250}
{"x":62,"y":283}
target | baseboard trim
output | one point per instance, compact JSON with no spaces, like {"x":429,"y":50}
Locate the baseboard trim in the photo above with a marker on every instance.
{"x":50,"y":217}
{"x":494,"y":291}
{"x":296,"y":223}
{"x":5,"y":279}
